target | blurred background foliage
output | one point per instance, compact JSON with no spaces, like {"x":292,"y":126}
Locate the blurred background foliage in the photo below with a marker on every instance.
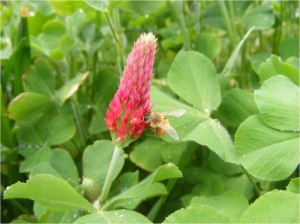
{"x":60,"y":66}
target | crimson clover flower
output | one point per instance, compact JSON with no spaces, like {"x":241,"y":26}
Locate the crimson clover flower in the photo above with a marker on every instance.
{"x":125,"y":115}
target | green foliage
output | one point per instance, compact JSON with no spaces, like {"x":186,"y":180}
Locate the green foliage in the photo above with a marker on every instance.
{"x":267,"y":209}
{"x":233,"y":66}
{"x":52,"y":192}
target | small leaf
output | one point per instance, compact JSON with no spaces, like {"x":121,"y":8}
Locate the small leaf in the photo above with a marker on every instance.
{"x":61,"y":129}
{"x":236,"y":106}
{"x":266,"y":153}
{"x":278,"y":103}
{"x":192,"y":76}
{"x":274,"y":66}
{"x":65,"y":7}
{"x":273,"y":207}
{"x":139,"y":7}
{"x":28,"y":106}
{"x":98,"y":5}
{"x":289,"y":47}
{"x":208,"y":45}
{"x":261,"y":17}
{"x":63,"y":163}
{"x":70,"y":88}
{"x":116,"y":216}
{"x":96,"y":160}
{"x":294,"y":186}
{"x":52,"y":192}
{"x":147,"y":154}
{"x":38,"y":157}
{"x":197,"y":214}
{"x":145,"y":189}
{"x":40,"y":79}
{"x":231,"y":203}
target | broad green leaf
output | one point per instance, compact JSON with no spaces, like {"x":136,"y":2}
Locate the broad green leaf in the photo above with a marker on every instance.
{"x":61,"y":129}
{"x":192,"y":76}
{"x":70,"y":88}
{"x":147,"y":154}
{"x":63,"y":163}
{"x":152,"y":152}
{"x":96,"y":160}
{"x":294,"y":61}
{"x":50,"y":191}
{"x":220,"y":166}
{"x":236,"y":106}
{"x":278,"y":102}
{"x":28,"y":106}
{"x":124,"y":182}
{"x":294,"y":185}
{"x":140,"y":7}
{"x":66,"y":7}
{"x":208,"y":45}
{"x":266,"y":153}
{"x":117,"y":216}
{"x":257,"y":59}
{"x":145,"y":189}
{"x":274,"y":66}
{"x":212,"y":17}
{"x":45,"y":168}
{"x":231,"y":203}
{"x":97,"y":124}
{"x":38,"y":157}
{"x":212,"y":134}
{"x":240,"y":184}
{"x":273,"y":207}
{"x":261,"y":17}
{"x":47,"y":216}
{"x":32,"y":136}
{"x":40,"y":79}
{"x":206,"y":181}
{"x":289,"y":47}
{"x":197,"y":214}
{"x":195,"y":126}
{"x":98,"y":5}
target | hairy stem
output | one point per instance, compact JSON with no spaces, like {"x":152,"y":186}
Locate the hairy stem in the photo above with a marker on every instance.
{"x":109,"y":176}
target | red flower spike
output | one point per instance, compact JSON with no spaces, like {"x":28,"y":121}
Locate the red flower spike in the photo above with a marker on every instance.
{"x":125,"y":115}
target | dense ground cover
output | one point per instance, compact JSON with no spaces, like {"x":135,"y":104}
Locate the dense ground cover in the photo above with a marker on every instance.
{"x":232,"y":66}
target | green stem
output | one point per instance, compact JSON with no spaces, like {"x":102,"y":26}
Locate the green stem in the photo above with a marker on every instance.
{"x":180,"y":20}
{"x":79,"y":124}
{"x":227,"y":21}
{"x":256,"y":189}
{"x":117,"y":41}
{"x":161,"y":201}
{"x":109,"y":176}
{"x":233,"y":19}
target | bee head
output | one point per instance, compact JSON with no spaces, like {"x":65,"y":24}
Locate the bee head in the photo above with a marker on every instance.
{"x":146,"y":117}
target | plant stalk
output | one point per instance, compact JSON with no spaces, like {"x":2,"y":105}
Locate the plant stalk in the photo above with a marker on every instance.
{"x":256,"y":189}
{"x":227,"y":22}
{"x":117,"y":41}
{"x":161,"y":201}
{"x":79,"y":124}
{"x":181,"y":23}
{"x":109,"y":176}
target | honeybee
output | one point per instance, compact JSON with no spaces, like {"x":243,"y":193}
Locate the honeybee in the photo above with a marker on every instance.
{"x":159,"y":125}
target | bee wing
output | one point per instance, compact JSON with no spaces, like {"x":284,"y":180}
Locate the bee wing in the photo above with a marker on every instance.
{"x":176,"y":113}
{"x":169,"y":130}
